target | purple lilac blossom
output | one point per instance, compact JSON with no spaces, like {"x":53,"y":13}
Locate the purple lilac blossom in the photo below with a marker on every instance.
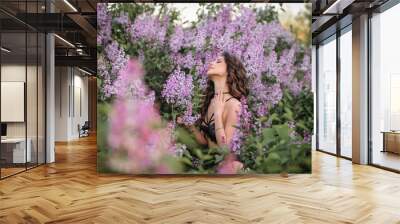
{"x":123,"y":19}
{"x":177,"y":90}
{"x":130,"y":84}
{"x":149,"y":28}
{"x":103,"y":24}
{"x":243,"y":127}
{"x":188,"y":118}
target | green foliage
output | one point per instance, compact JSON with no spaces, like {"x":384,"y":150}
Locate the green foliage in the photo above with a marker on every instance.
{"x":281,"y":148}
{"x":267,"y":14}
{"x":303,"y":107}
{"x":132,"y":10}
{"x":196,"y":158}
{"x":281,"y":46}
{"x":207,"y":10}
{"x":103,"y":153}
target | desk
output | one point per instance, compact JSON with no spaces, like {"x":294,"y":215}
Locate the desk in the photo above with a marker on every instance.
{"x":16,"y":147}
{"x":391,"y":141}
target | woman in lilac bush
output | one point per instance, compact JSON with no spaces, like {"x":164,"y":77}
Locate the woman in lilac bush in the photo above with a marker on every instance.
{"x":235,"y":78}
{"x":227,"y":85}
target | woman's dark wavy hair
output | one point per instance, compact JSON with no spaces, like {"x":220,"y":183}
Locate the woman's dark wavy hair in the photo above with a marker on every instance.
{"x":237,"y":82}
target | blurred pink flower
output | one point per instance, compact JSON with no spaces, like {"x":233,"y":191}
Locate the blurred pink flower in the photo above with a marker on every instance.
{"x":137,"y":136}
{"x":136,"y":133}
{"x":130,"y":83}
{"x":230,"y":165}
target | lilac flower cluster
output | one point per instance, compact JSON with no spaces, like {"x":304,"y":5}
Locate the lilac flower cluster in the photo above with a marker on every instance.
{"x":117,"y":57}
{"x":123,"y":19}
{"x":103,"y":24}
{"x":243,"y":128}
{"x":188,"y":118}
{"x":114,"y":58}
{"x":109,"y":66}
{"x":177,"y":90}
{"x":129,"y":84}
{"x":149,"y":28}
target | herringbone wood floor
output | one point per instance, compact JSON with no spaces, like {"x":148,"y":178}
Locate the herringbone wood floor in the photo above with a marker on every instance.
{"x":70,"y":191}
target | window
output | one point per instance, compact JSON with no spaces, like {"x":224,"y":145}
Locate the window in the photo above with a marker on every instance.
{"x":327,"y":96}
{"x":385,"y":89}
{"x":346,"y":92}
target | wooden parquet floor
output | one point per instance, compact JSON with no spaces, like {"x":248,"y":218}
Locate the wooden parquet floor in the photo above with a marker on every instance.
{"x":71,"y":191}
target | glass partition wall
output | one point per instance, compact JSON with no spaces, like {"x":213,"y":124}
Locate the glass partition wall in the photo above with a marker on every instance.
{"x":22,"y":77}
{"x":334,"y":93}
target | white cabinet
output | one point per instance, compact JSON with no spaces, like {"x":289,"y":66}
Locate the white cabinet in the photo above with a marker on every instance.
{"x":18,"y":149}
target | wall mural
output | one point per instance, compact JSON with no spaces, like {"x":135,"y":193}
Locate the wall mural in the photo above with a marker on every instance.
{"x":218,"y":89}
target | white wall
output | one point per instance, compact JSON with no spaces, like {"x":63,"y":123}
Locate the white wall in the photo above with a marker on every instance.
{"x":62,"y":81}
{"x":17,"y":73}
{"x":80,"y":110}
{"x":33,"y":126}
{"x":9,"y":73}
{"x":71,"y":94}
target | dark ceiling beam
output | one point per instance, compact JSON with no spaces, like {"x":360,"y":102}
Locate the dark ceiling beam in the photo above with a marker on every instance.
{"x":15,"y":18}
{"x":320,"y":23}
{"x":86,"y":51}
{"x":331,"y":29}
{"x":342,"y":14}
{"x":91,"y":5}
{"x":86,"y":26}
{"x":48,"y":22}
{"x":79,"y":19}
{"x":337,"y":7}
{"x":79,"y":61}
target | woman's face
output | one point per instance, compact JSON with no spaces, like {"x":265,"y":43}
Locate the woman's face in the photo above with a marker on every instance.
{"x":217,"y":67}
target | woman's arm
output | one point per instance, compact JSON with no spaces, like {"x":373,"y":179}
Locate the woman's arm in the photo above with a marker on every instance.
{"x":198,"y":135}
{"x":225,"y":128}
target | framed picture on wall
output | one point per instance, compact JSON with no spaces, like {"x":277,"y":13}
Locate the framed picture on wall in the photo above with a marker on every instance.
{"x":202,"y":89}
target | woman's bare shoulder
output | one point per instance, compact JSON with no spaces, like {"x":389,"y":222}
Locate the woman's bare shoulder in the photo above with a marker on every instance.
{"x":233,"y":104}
